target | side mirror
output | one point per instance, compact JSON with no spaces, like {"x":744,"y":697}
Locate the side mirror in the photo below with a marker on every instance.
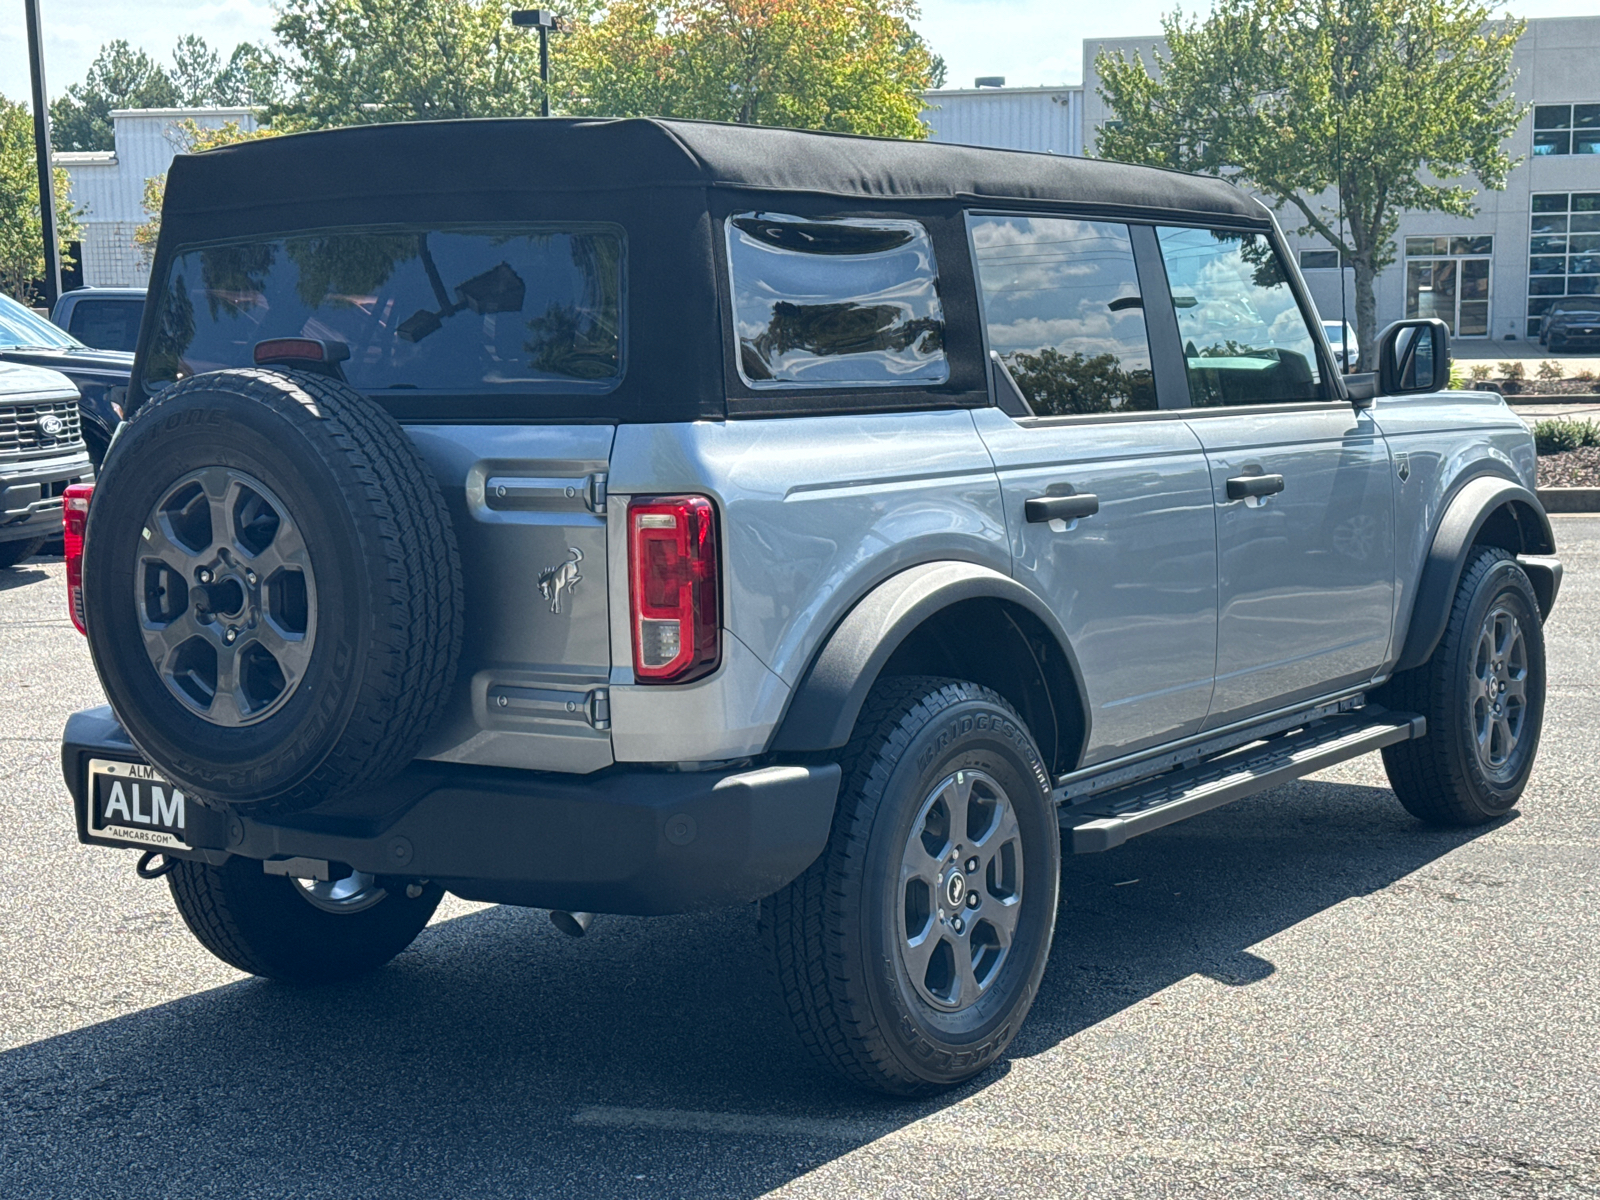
{"x":1414,"y":356}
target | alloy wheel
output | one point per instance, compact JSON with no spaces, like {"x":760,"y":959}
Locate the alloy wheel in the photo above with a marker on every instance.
{"x":1499,"y":689}
{"x":226,"y":596}
{"x":960,"y":891}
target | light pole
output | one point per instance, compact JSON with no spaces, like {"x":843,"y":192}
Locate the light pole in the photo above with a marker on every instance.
{"x":545,"y":22}
{"x":41,"y":143}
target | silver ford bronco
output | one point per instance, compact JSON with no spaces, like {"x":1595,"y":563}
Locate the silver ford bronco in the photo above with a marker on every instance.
{"x":645,"y":516}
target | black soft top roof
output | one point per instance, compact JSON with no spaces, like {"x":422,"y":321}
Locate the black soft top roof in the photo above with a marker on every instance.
{"x":566,"y":154}
{"x":666,"y":186}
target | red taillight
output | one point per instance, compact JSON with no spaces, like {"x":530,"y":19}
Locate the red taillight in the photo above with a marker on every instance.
{"x":74,"y":516}
{"x":673,"y":587}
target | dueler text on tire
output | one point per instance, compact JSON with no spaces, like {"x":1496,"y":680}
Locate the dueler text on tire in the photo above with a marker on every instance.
{"x":1483,"y":695}
{"x":909,"y":953}
{"x":272,"y":588}
{"x":285,"y":929}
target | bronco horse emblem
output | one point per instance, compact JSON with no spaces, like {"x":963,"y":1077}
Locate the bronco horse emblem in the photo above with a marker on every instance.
{"x":563,"y":576}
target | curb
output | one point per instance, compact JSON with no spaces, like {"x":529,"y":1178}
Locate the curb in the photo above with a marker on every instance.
{"x":1570,"y":499}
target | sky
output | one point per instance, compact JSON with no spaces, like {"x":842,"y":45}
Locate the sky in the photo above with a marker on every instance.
{"x":1029,"y":42}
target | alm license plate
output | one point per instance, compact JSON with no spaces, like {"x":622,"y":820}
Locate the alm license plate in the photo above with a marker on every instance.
{"x":129,"y":802}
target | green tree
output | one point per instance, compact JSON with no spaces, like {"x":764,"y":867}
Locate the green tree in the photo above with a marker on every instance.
{"x":1371,"y":107}
{"x":195,"y":67}
{"x":21,"y":236}
{"x":360,"y":61}
{"x":854,"y":66}
{"x":119,"y":77}
{"x":1057,"y":384}
{"x":253,"y":78}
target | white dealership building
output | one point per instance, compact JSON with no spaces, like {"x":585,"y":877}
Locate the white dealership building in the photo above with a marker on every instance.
{"x":1489,"y":276}
{"x":108,"y":185}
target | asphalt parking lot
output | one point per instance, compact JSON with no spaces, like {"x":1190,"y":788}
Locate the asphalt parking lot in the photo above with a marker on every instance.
{"x":1304,"y":994}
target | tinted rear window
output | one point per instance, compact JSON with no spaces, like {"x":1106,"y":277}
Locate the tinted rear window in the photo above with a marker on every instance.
{"x":463,"y":309}
{"x":835,"y":303}
{"x":107,"y":324}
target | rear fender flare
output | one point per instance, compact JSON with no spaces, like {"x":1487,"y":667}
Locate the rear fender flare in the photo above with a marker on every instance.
{"x":1464,"y":519}
{"x":829,"y":698}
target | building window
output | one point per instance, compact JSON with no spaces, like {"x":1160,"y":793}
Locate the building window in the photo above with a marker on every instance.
{"x":1448,"y":277}
{"x":1566,"y":129}
{"x":1563,"y":249}
{"x":1319,"y":260}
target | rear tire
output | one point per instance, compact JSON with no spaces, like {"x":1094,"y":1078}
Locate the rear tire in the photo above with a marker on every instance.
{"x":1483,"y":695}
{"x":263,"y":925}
{"x":865,"y":945}
{"x":11,"y":553}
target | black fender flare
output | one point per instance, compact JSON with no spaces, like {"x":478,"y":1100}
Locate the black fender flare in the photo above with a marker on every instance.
{"x":823,"y":711}
{"x":1464,"y":517}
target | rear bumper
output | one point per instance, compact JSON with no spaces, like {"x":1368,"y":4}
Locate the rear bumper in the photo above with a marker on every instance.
{"x":30,"y":494}
{"x":617,"y":841}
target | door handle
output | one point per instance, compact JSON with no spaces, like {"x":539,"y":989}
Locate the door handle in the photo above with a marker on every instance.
{"x":1244,"y":486}
{"x":1061,"y":508}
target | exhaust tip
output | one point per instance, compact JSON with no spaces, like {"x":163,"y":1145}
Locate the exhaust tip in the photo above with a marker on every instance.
{"x":570,"y":923}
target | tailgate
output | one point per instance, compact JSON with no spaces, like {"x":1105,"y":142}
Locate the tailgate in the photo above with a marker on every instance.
{"x":528,"y":503}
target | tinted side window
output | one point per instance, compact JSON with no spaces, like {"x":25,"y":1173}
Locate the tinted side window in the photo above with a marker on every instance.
{"x":835,"y":303}
{"x":1245,"y":340}
{"x":1062,"y":306}
{"x":106,"y":324}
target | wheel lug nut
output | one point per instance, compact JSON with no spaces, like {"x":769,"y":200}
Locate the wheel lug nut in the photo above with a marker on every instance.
{"x":972,"y":900}
{"x":251,"y":576}
{"x":205,"y":575}
{"x":972,"y":865}
{"x":958,"y":925}
{"x":230,"y":635}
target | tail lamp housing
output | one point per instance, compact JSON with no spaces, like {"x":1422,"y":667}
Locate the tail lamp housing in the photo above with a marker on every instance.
{"x":673,"y":588}
{"x":74,"y":517}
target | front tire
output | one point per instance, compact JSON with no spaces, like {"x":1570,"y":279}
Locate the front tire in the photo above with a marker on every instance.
{"x":909,"y":953}
{"x":11,"y":553}
{"x":279,"y":928}
{"x":1483,"y":695}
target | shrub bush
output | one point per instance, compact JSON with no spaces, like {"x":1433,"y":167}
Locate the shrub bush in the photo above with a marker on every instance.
{"x":1512,"y":370}
{"x":1550,"y":369}
{"x":1480,"y":371}
{"x":1559,"y":434}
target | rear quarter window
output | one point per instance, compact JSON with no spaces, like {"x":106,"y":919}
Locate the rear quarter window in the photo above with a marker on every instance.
{"x":476,"y":309}
{"x":830,"y":303}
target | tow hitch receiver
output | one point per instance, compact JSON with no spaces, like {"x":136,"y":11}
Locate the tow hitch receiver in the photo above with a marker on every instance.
{"x":298,"y":868}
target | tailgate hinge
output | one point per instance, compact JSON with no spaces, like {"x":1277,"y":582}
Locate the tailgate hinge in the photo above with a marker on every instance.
{"x":600,"y":708}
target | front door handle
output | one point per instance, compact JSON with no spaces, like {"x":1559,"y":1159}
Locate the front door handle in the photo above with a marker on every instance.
{"x":1061,"y":508}
{"x":1242,"y":487}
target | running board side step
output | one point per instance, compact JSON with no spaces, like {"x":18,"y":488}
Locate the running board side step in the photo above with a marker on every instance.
{"x":1106,"y":821}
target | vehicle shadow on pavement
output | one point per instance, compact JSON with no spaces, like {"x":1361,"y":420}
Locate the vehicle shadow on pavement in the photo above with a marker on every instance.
{"x":497,"y":1057}
{"x":21,"y":576}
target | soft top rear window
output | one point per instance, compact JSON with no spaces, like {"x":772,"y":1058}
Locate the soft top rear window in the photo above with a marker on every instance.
{"x":468,"y":309}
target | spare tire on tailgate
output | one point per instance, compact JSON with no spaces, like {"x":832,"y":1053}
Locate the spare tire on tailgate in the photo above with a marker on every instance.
{"x":273,"y":593}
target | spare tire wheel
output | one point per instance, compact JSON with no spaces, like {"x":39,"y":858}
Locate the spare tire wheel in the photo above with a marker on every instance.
{"x":273,"y":589}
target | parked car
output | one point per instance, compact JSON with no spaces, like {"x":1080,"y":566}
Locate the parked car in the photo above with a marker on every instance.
{"x":41,"y":455}
{"x":1572,"y":323}
{"x":673,"y":515}
{"x":1348,"y":358}
{"x":101,"y":376}
{"x":106,"y":318}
